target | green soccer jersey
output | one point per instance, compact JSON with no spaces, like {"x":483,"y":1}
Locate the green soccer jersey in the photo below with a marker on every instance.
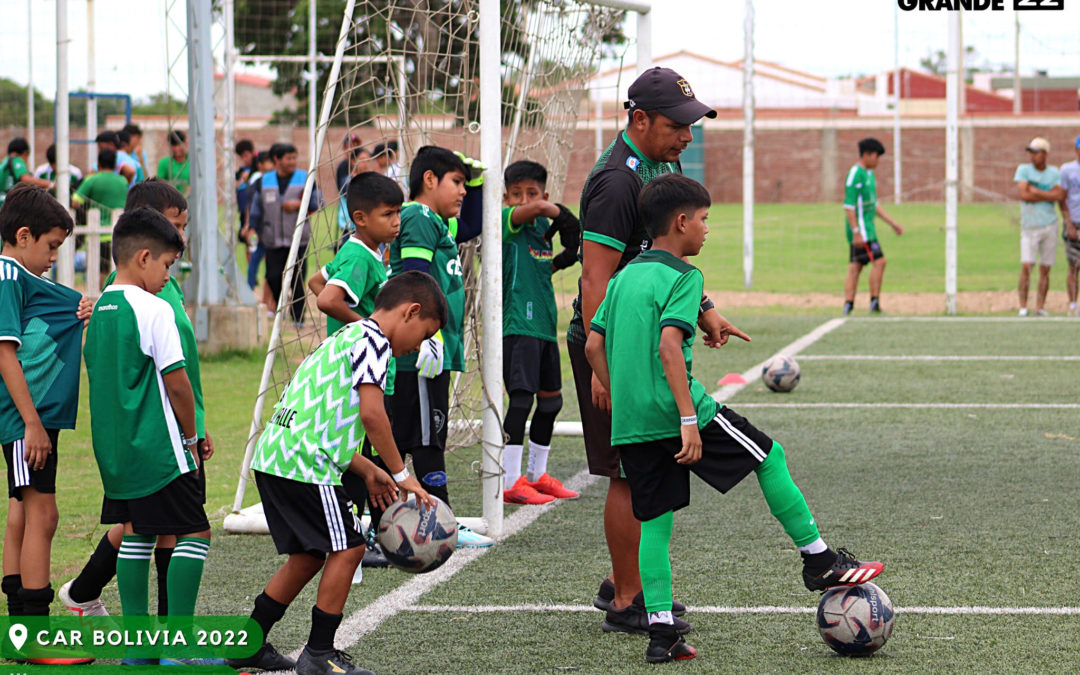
{"x":425,"y":235}
{"x":178,"y":174}
{"x":316,"y":429}
{"x":860,"y":195}
{"x":360,"y":272}
{"x":12,"y":168}
{"x":654,"y":290}
{"x":39,"y":317}
{"x":132,"y":341}
{"x":528,"y":296}
{"x":174,"y":295}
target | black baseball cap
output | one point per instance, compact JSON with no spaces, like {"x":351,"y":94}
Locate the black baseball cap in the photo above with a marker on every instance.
{"x":668,"y":93}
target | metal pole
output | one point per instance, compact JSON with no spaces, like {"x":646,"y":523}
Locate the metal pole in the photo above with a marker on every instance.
{"x":91,"y":87}
{"x":232,"y":223}
{"x":1018,"y":99}
{"x":65,"y":257}
{"x":897,"y":164}
{"x":313,"y":74}
{"x":644,"y":41}
{"x":30,"y":79}
{"x":491,"y":270}
{"x":748,"y":146}
{"x":598,"y":127}
{"x":952,"y":101}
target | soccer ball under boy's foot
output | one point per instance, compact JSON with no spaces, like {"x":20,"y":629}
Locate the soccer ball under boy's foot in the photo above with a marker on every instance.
{"x":665,"y":644}
{"x":844,"y":570}
{"x":324,"y":663}
{"x":267,"y":658}
{"x":606,"y":594}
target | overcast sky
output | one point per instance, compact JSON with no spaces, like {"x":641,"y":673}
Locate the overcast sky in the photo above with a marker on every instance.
{"x":827,"y":37}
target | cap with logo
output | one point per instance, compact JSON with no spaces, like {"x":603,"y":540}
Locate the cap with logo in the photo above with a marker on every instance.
{"x":668,"y":93}
{"x":1038,"y":144}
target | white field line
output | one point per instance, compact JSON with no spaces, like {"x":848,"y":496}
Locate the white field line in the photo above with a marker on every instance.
{"x":367,"y":619}
{"x":974,"y":610}
{"x":928,"y":357}
{"x":727,"y":391}
{"x":965,"y":319}
{"x":1004,"y":406}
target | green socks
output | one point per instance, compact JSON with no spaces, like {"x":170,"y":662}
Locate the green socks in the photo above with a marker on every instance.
{"x":133,"y":573}
{"x":654,"y":562}
{"x":785,"y":501}
{"x":185,"y":574}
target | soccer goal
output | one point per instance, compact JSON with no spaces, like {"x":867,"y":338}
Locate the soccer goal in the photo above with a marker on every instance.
{"x":495,"y":85}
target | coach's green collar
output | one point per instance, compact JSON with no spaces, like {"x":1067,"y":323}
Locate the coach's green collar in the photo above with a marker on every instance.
{"x":640,"y":155}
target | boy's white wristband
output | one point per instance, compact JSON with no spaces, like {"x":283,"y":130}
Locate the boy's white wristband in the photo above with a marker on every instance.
{"x":401,"y":475}
{"x":689,"y":421}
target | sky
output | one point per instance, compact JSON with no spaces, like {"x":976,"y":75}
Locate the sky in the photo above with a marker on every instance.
{"x":133,"y":44}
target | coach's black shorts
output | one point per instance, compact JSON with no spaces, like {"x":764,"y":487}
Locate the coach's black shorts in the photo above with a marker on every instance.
{"x":19,"y":474}
{"x":603,"y":459}
{"x":308,"y":518}
{"x":862,"y":254}
{"x":531,"y":364}
{"x":731,"y":448}
{"x":174,"y":509}
{"x":419,"y":407}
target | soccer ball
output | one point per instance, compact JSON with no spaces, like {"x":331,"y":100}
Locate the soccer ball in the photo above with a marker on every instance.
{"x":780,"y":373}
{"x":418,"y":539}
{"x":855,"y":620}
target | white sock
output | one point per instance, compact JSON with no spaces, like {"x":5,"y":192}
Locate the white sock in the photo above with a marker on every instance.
{"x":511,"y":465}
{"x":816,"y":546}
{"x":1072,"y":305}
{"x":538,"y":455}
{"x":661,"y":617}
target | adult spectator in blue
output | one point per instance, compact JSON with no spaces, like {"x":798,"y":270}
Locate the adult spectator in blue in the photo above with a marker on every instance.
{"x":1039,"y":187}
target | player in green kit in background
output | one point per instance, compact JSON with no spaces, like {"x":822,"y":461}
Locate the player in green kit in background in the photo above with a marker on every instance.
{"x":531,"y":364}
{"x":860,"y":207}
{"x":640,"y":347}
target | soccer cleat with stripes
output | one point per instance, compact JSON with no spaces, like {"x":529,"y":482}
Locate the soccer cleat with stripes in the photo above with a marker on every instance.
{"x":93,"y":607}
{"x":524,"y":493}
{"x":467,"y":538}
{"x":549,"y":485}
{"x":267,"y":658}
{"x":845,"y":570}
{"x":665,"y":645}
{"x":325,"y":663}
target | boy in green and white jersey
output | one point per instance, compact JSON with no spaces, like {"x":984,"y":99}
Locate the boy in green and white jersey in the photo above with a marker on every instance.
{"x":14,"y":169}
{"x":640,"y":349}
{"x":531,"y":364}
{"x":332,"y":404}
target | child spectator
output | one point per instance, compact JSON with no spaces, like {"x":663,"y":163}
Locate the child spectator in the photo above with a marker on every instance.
{"x":176,"y":168}
{"x":256,"y":250}
{"x":13,"y":169}
{"x":126,"y":164}
{"x":105,"y":190}
{"x":135,"y":149}
{"x":47,"y":171}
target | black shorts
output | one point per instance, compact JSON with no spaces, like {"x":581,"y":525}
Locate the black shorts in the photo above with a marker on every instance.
{"x":531,"y":364}
{"x":731,"y":448}
{"x":174,"y":509}
{"x":19,"y":474}
{"x":308,"y":518}
{"x":603,"y":459}
{"x":419,"y":409}
{"x":862,"y":254}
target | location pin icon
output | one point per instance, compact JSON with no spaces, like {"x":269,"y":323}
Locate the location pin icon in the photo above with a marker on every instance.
{"x":17,"y":634}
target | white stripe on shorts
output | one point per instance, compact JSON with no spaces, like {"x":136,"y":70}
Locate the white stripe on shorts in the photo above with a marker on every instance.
{"x":425,"y":409}
{"x":739,"y":436}
{"x":335,"y":526}
{"x":18,"y":460}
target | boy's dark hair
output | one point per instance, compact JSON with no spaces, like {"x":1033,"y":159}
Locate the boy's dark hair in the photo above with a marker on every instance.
{"x":439,"y":161}
{"x":263,"y":156}
{"x":33,"y":207}
{"x":369,"y":190}
{"x":525,"y":170}
{"x":106,"y":159}
{"x":18,"y":146}
{"x":144,"y":228}
{"x":279,"y":150}
{"x":106,"y":137}
{"x":177,"y":137}
{"x":132,"y":130}
{"x":665,"y":197}
{"x":379,"y":149}
{"x":244,"y":145}
{"x":415,"y":286}
{"x":156,"y":194}
{"x":50,"y":154}
{"x":871,"y":145}
{"x":357,"y":150}
{"x":122,"y":137}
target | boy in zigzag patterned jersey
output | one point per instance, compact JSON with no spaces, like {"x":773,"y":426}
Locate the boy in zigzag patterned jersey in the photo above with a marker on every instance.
{"x":332,"y":404}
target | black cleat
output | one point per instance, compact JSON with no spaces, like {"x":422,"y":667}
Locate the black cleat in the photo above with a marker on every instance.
{"x":267,"y":658}
{"x":819,"y":573}
{"x":666,"y":645}
{"x":635,"y":619}
{"x":334,"y":661}
{"x":606,"y":594}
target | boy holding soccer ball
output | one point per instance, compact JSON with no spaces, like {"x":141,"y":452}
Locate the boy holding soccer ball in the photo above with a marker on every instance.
{"x":664,"y":422}
{"x":334,"y":401}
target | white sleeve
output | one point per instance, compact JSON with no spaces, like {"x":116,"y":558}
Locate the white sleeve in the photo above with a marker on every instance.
{"x":162,"y":338}
{"x":370,"y":360}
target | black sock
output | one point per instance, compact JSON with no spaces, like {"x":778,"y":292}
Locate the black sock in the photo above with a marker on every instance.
{"x":323,"y":628}
{"x":267,"y":612}
{"x":98,"y":571}
{"x":10,"y":586}
{"x":162,"y":556}
{"x":36,"y":601}
{"x":873,"y":303}
{"x":819,"y":561}
{"x":848,"y":305}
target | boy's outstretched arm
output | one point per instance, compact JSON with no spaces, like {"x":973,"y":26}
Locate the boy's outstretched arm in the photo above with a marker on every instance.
{"x":377,"y":425}
{"x":182,"y":399}
{"x":527,"y":213}
{"x":595,"y":351}
{"x":671,"y":357}
{"x":717,"y":328}
{"x":38,"y":445}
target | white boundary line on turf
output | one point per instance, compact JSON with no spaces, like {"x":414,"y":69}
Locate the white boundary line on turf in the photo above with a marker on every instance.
{"x":1004,"y":406}
{"x":974,"y":610}
{"x":963,"y":319}
{"x":928,"y":357}
{"x":727,"y":391}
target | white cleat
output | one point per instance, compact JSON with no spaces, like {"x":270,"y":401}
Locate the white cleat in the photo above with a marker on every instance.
{"x":93,"y":607}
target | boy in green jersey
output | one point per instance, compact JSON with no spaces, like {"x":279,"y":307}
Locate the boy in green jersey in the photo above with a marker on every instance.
{"x":40,"y":337}
{"x":531,"y":364}
{"x":14,"y":169}
{"x":428,"y":242}
{"x":640,"y":349}
{"x":82,"y":595}
{"x":332,"y":404}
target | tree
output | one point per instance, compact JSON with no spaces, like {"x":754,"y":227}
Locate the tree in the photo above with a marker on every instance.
{"x":936,"y":64}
